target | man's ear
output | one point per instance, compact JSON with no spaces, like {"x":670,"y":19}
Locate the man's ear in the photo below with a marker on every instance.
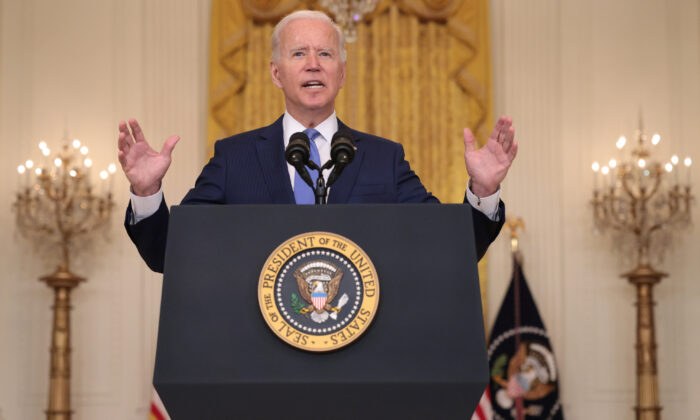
{"x":274,"y":72}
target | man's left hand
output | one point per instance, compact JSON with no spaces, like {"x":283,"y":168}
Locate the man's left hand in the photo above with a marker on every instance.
{"x":489,"y":165}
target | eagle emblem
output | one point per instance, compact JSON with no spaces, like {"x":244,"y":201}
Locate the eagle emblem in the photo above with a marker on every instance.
{"x":531,"y":375}
{"x":318,"y":291}
{"x":318,"y":283}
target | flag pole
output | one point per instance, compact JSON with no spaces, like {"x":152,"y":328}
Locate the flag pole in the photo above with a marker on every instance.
{"x":513,"y":226}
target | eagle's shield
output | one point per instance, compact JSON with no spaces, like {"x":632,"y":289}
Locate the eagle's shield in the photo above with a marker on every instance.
{"x":319,"y":300}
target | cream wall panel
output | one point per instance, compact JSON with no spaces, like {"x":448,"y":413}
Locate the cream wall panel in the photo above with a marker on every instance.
{"x":575,"y":75}
{"x":81,"y":66}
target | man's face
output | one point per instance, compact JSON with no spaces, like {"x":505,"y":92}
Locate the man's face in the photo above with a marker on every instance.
{"x":309,"y":70}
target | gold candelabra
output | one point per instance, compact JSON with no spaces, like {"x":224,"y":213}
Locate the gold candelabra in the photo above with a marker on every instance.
{"x":56,"y":205}
{"x":643,"y":201}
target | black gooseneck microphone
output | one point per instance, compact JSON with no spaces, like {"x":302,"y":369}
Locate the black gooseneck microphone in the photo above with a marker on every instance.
{"x":297,"y":155}
{"x":342,"y":153}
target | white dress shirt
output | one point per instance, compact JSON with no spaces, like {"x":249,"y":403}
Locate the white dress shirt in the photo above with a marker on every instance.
{"x":144,"y":207}
{"x":323,"y":142}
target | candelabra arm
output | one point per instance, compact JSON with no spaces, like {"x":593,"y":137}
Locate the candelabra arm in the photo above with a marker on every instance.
{"x":655,"y":186}
{"x":674,"y":201}
{"x":614,"y":218}
{"x":27,"y":222}
{"x":627,"y":189}
{"x":64,"y":233}
{"x":617,"y":221}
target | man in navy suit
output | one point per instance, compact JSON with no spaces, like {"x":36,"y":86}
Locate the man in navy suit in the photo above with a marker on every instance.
{"x":308,"y":64}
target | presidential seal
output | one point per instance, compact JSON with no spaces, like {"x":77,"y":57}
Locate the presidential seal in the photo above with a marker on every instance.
{"x":318,"y":291}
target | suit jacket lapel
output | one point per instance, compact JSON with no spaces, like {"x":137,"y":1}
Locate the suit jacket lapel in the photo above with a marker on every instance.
{"x":270,"y":147}
{"x":340,"y":191}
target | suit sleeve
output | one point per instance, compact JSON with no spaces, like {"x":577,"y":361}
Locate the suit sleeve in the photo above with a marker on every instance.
{"x":485,"y":229}
{"x":150,"y":235}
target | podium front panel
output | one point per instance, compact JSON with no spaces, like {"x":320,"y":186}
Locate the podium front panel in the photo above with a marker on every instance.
{"x":422,"y":357}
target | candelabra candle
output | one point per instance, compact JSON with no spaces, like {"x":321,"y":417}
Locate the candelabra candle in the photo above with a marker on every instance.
{"x":59,"y":205}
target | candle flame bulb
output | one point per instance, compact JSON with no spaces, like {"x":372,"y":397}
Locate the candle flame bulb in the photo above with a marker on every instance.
{"x":655,"y":139}
{"x":42,"y":145}
{"x":84,"y":150}
{"x":37,"y":171}
{"x":669,"y":167}
{"x":104,"y":174}
{"x":621,"y":142}
{"x":21,"y":169}
{"x":674,"y":159}
{"x":87,"y":162}
{"x":112,"y":168}
{"x":45,"y":151}
{"x":595,"y":166}
{"x":58,"y":162}
{"x":687,"y":161}
{"x":612,"y":163}
{"x":29,"y":164}
{"x":72,"y":173}
{"x":76,"y":143}
{"x":642,"y":163}
{"x":605,"y":170}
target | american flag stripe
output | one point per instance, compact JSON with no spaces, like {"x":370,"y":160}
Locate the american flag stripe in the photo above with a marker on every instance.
{"x":483,"y":410}
{"x":158,"y":411}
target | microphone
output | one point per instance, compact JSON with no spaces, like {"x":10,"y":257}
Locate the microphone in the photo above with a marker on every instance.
{"x":342,"y":153}
{"x":297,"y":155}
{"x":342,"y":148}
{"x":298,"y":150}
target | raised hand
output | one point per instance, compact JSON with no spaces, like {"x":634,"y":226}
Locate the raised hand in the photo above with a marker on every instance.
{"x":143,"y":166}
{"x":489,"y":165}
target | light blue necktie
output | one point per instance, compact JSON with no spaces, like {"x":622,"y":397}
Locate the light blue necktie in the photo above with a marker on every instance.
{"x":303,"y":194}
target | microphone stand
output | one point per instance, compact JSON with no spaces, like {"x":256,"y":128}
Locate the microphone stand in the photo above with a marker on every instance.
{"x":297,"y":154}
{"x":321,"y":189}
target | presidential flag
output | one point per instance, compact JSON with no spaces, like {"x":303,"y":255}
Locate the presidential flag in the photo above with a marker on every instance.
{"x":524,"y":376}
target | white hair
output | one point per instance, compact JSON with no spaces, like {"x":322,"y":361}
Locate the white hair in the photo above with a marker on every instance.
{"x":305,"y":14}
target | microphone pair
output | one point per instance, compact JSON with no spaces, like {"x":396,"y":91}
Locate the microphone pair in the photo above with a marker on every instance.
{"x":298,"y":154}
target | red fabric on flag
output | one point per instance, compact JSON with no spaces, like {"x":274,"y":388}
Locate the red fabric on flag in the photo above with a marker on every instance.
{"x":155,"y":413}
{"x":483,"y":410}
{"x":158,"y":411}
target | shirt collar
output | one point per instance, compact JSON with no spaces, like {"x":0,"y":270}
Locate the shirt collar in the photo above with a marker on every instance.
{"x":327,"y":127}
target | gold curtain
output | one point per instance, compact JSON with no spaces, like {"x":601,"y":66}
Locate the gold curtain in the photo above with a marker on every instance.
{"x":418,"y":74}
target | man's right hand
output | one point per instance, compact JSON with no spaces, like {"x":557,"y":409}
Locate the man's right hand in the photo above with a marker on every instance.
{"x":143,"y":166}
